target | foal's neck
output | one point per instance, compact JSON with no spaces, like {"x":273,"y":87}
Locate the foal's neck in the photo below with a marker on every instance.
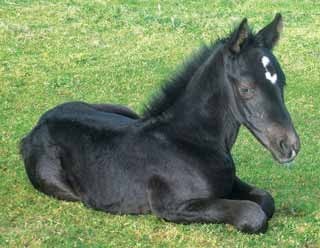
{"x":202,"y":116}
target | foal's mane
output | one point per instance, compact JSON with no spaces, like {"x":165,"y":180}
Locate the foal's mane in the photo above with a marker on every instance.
{"x":174,"y":87}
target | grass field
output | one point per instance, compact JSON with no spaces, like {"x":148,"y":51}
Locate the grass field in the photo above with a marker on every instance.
{"x":120,"y":52}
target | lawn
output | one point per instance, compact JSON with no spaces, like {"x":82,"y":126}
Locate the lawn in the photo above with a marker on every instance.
{"x":120,"y":52}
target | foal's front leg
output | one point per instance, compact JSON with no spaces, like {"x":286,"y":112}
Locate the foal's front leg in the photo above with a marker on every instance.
{"x":244,"y":191}
{"x":246,"y":216}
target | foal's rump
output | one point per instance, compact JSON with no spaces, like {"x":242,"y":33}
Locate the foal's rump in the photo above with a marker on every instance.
{"x":61,"y":137}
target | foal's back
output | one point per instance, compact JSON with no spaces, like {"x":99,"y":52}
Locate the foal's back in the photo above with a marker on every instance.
{"x":107,"y":117}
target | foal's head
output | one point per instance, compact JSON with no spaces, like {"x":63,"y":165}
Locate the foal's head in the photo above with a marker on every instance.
{"x":256,"y":82}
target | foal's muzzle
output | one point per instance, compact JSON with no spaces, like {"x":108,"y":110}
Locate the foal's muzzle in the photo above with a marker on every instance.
{"x":288,"y":148}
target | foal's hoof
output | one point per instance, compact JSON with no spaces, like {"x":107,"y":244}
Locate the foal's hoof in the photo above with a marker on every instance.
{"x":256,"y":222}
{"x":255,"y":228}
{"x":265,"y":200}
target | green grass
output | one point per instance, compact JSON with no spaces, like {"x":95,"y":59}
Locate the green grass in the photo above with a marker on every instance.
{"x":119,"y":52}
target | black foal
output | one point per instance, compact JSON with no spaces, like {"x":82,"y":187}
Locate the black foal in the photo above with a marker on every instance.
{"x":175,"y":161}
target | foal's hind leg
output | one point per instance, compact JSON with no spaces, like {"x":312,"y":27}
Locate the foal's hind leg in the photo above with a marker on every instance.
{"x":53,"y":181}
{"x":246,"y":216}
{"x":43,"y":165}
{"x":244,"y":191}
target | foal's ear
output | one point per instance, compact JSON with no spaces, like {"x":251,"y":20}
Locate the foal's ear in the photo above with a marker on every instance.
{"x":239,"y":36}
{"x":270,"y":34}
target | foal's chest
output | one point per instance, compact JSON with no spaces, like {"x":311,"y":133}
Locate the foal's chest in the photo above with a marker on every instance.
{"x":204,"y":177}
{"x":220,"y":176}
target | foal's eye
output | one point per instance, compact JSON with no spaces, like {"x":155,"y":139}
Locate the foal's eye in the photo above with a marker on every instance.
{"x":246,"y":92}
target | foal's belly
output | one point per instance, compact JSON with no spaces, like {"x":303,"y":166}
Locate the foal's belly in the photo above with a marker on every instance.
{"x":122,"y":186}
{"x":119,"y":192}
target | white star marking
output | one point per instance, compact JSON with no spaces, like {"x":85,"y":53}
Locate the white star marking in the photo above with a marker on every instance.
{"x":265,"y":62}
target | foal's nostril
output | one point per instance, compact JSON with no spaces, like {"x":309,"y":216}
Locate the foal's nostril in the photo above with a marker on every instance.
{"x":283,"y":145}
